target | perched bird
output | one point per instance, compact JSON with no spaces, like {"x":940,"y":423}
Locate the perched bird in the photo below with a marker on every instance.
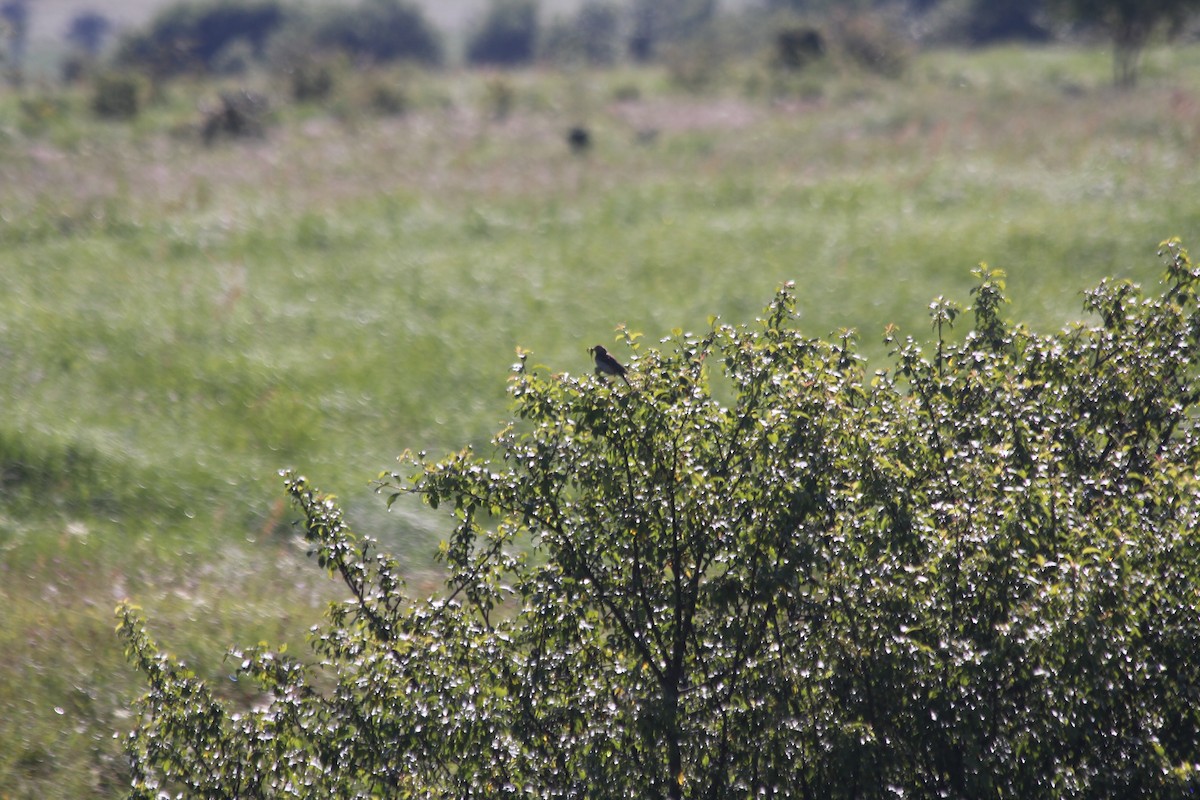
{"x":606,"y":364}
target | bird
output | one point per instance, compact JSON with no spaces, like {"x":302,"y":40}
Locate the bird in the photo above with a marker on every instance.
{"x":580,"y":139}
{"x":606,"y":364}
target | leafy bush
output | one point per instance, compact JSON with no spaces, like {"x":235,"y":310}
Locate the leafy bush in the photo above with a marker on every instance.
{"x":192,"y":35}
{"x":797,"y":46}
{"x":973,"y":575}
{"x":388,"y":98}
{"x":312,"y":80}
{"x":592,"y":35}
{"x":236,"y":115}
{"x":873,"y":42}
{"x":117,"y":95}
{"x":379,"y":30}
{"x":661,"y":22}
{"x":227,"y":36}
{"x":88,"y":31}
{"x":507,"y":36}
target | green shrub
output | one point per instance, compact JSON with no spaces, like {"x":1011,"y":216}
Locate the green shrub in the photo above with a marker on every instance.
{"x":388,"y":98}
{"x":88,"y":31}
{"x":871,"y":41}
{"x":507,"y":36}
{"x":192,"y":36}
{"x":379,"y":31}
{"x":117,"y":95}
{"x":591,"y":36}
{"x":236,"y":115}
{"x":312,"y":80}
{"x":972,"y":575}
{"x":40,"y":111}
{"x":797,"y":46}
{"x":655,"y":23}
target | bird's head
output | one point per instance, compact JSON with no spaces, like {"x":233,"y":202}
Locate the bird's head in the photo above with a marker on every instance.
{"x":598,"y":350}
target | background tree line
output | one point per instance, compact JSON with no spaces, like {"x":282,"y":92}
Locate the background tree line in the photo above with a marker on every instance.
{"x":211,"y":34}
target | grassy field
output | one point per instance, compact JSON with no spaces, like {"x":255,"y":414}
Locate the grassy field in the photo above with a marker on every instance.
{"x":177,"y":323}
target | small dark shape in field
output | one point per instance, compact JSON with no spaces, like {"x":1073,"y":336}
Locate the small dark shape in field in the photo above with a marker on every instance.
{"x":796,"y":48}
{"x":579,"y":139}
{"x":238,"y":114}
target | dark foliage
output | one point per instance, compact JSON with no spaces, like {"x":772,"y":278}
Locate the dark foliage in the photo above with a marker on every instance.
{"x":1006,"y":20}
{"x":88,"y":32}
{"x":798,"y":46}
{"x":190,"y":36}
{"x":508,"y":35}
{"x":237,"y":115}
{"x":117,"y":95}
{"x":196,"y":36}
{"x":974,"y":575}
{"x":1130,"y":24}
{"x":592,"y":35}
{"x":379,"y":31}
{"x":659,"y":22}
{"x":312,"y":80}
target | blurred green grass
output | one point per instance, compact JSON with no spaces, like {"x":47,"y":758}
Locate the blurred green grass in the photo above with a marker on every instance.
{"x":179,"y":323}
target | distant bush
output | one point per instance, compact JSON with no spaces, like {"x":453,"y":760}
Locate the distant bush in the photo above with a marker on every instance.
{"x":797,"y":46}
{"x":88,"y":31}
{"x":230,"y":36}
{"x":117,"y":95}
{"x":191,"y":35}
{"x":507,"y":36}
{"x":237,"y":115}
{"x":14,"y":27}
{"x":377,"y":31}
{"x":666,"y":22}
{"x":1007,"y":20}
{"x":972,"y":574}
{"x":591,"y":36}
{"x":388,"y":98}
{"x":603,"y":31}
{"x":236,"y":58}
{"x":873,"y":42}
{"x":312,"y":80}
{"x":978,"y":22}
